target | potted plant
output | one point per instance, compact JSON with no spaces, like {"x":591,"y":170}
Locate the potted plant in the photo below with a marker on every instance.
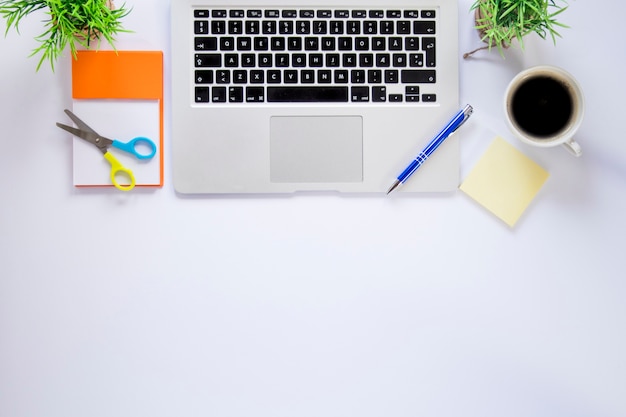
{"x":73,"y":22}
{"x":500,"y":22}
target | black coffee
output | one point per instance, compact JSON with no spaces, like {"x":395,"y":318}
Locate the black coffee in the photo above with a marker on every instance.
{"x":542,"y":106}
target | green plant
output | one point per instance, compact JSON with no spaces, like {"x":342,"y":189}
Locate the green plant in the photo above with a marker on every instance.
{"x":499,"y":22}
{"x":73,"y":22}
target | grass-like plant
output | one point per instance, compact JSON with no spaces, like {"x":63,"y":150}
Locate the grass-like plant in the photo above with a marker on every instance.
{"x":499,"y":22}
{"x":73,"y":22}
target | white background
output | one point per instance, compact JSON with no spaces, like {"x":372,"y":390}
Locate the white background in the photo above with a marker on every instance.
{"x":154,"y":304}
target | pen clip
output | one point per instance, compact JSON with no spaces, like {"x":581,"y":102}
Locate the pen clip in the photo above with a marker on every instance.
{"x":467,"y":112}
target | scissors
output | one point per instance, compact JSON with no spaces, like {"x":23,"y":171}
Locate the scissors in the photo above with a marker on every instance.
{"x":85,"y":132}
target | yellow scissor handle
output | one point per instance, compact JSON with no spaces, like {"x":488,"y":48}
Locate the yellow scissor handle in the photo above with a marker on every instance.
{"x":117,"y":169}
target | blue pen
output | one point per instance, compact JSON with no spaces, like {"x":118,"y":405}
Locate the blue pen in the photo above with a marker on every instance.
{"x":450,"y":128}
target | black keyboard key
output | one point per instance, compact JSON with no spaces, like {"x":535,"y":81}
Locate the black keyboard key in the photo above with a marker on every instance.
{"x":248,"y":60}
{"x":208,"y":60}
{"x":219,"y":14}
{"x":244,"y":44}
{"x":218,"y":94}
{"x":303,"y":27}
{"x":428,"y":45}
{"x":311,"y":44}
{"x":391,"y":76}
{"x":291,"y":77}
{"x":201,"y":27}
{"x":307,"y":94}
{"x":324,"y":76}
{"x":428,"y":14}
{"x":357,"y":76}
{"x":424,"y":27}
{"x":235,"y":94}
{"x":412,"y":43}
{"x":255,"y":94}
{"x":240,"y":77}
{"x":379,"y":94}
{"x":429,"y":98}
{"x":202,"y":95}
{"x":261,"y":44}
{"x":370,"y":27}
{"x":294,"y":43}
{"x":268,"y":27}
{"x":375,"y":76}
{"x":201,"y":13}
{"x":418,"y":76}
{"x":235,"y":27}
{"x":341,"y":76}
{"x":204,"y":77}
{"x":386,"y":27}
{"x":416,"y":60}
{"x":282,"y":60}
{"x":237,"y":13}
{"x":349,"y":60}
{"x":277,"y":44}
{"x":274,"y":77}
{"x":378,"y":44}
{"x":266,"y":60}
{"x":320,"y":27}
{"x":399,"y":60}
{"x":222,"y":76}
{"x":285,"y":27}
{"x":412,"y":90}
{"x":354,"y":27}
{"x":307,"y":76}
{"x":227,"y":43}
{"x":205,"y":44}
{"x":218,"y":27}
{"x":307,"y":14}
{"x":336,"y":27}
{"x":360,"y":94}
{"x":395,"y":44}
{"x":253,"y":27}
{"x":344,"y":44}
{"x":328,"y":44}
{"x":403,"y":27}
{"x":290,"y":13}
{"x":298,"y":60}
{"x":257,"y":76}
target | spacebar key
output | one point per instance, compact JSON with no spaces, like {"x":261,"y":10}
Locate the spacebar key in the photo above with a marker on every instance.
{"x":307,"y":94}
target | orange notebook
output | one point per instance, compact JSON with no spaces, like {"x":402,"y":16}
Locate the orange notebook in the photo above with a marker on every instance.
{"x":120,"y":95}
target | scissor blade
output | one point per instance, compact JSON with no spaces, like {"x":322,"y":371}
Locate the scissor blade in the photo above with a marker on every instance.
{"x":81,"y":125}
{"x":76,"y":132}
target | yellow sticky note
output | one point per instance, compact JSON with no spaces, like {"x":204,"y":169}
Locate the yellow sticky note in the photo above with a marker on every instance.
{"x":504,"y":181}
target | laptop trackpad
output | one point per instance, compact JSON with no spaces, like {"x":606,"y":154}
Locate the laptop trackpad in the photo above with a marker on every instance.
{"x":316,"y":149}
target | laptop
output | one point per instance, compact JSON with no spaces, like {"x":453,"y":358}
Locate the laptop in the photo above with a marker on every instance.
{"x":292,"y":95}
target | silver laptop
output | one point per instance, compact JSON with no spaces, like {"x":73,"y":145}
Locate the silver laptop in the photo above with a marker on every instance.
{"x":311,"y":95}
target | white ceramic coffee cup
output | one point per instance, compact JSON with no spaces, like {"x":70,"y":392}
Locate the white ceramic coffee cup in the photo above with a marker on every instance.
{"x":563,"y":136}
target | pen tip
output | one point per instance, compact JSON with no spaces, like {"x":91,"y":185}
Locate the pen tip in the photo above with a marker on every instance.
{"x":393,"y":187}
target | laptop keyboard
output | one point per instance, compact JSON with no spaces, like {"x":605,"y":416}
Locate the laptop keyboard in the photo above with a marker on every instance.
{"x":314,"y":56}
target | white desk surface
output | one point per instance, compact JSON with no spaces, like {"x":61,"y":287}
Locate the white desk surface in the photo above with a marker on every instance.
{"x":150,"y":304}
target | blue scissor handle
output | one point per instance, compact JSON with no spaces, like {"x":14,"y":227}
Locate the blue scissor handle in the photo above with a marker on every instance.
{"x":131,"y":147}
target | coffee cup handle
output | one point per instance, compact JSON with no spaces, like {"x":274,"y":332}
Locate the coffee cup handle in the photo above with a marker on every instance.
{"x":573,"y":147}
